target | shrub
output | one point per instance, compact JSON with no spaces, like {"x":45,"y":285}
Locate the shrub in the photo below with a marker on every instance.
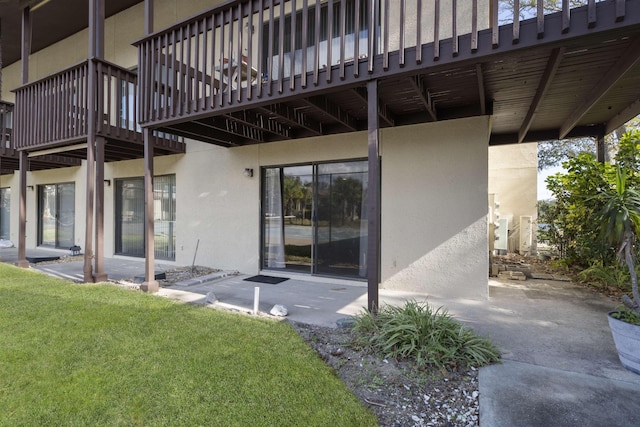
{"x":606,"y":276}
{"x":417,"y":333}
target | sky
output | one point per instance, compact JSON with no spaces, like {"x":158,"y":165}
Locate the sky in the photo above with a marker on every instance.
{"x":543,"y":193}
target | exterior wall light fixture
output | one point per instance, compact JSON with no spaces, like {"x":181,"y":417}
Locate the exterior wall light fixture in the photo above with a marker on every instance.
{"x":107,"y":182}
{"x":248,"y":172}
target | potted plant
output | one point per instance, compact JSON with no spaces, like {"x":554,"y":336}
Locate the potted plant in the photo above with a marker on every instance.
{"x":620,"y":225}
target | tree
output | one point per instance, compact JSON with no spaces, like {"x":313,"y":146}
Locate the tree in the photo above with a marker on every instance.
{"x":620,"y":221}
{"x":571,"y":218}
{"x":553,"y":153}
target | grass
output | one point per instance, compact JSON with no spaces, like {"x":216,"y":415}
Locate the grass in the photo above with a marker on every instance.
{"x":100,"y":355}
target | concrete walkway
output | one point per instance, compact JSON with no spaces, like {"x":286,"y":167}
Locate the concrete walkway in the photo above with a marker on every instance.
{"x":560,"y":367}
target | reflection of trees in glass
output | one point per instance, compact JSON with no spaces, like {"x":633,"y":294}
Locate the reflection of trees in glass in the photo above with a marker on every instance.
{"x":346,"y":199}
{"x":5,"y":210}
{"x":529,"y":8}
{"x":297,"y":196}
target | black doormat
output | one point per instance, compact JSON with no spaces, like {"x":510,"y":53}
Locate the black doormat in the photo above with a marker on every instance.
{"x":266,"y":279}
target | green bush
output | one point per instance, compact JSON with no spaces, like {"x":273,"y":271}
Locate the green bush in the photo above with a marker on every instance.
{"x":416,"y":333}
{"x":606,"y":276}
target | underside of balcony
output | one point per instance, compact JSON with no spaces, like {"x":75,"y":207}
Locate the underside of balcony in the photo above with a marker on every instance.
{"x":572,"y":73}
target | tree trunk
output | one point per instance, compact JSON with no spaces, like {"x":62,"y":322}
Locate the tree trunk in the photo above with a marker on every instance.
{"x":632,"y":270}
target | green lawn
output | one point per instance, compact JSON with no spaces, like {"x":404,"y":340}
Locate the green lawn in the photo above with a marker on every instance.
{"x":80,"y":355}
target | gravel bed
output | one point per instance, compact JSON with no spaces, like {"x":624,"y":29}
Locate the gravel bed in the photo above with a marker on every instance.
{"x":398,"y":393}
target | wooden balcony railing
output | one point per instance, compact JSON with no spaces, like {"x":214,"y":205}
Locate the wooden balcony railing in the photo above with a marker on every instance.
{"x":245,"y":50}
{"x":6,"y":129}
{"x":53,"y":110}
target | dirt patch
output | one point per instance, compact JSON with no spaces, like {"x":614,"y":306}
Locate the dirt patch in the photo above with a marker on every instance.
{"x":180,"y":274}
{"x":399,"y":393}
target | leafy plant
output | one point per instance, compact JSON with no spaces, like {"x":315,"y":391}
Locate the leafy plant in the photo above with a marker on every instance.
{"x":627,"y":315}
{"x":620,"y":222}
{"x":416,"y":332}
{"x":605,"y":276}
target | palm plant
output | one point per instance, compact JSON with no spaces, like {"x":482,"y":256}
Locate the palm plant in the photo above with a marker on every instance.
{"x":620,"y":224}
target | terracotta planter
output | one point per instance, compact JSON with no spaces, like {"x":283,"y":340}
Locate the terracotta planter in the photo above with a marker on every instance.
{"x":627,"y":339}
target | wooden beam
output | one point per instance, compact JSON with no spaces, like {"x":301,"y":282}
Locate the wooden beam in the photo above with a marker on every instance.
{"x":481,"y":90}
{"x":25,"y":45}
{"x":260,"y":122}
{"x":192,"y":131}
{"x":623,"y":116}
{"x":292,"y":117}
{"x":148,"y":17}
{"x":22,"y":208}
{"x":601,"y":149}
{"x":373,"y":198}
{"x":322,"y":104}
{"x":545,"y":82}
{"x":423,"y":92}
{"x":150,"y":284}
{"x":383,"y":108}
{"x":628,"y":60}
{"x":24,"y":161}
{"x":99,"y":275}
{"x":545,"y":135}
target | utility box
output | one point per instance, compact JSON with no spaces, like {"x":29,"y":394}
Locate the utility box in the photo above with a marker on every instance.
{"x":526,"y":234}
{"x":502,"y":235}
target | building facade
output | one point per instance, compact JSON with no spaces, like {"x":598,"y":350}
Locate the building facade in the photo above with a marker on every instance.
{"x":344,"y":138}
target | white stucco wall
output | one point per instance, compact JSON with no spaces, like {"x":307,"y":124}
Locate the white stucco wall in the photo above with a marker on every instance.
{"x":513,"y":177}
{"x":434,"y":202}
{"x":434,"y":208}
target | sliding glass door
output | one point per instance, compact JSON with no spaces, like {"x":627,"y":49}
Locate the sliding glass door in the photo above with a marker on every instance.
{"x":57,"y":213}
{"x":130,"y":216}
{"x":314,"y":218}
{"x":5,"y":213}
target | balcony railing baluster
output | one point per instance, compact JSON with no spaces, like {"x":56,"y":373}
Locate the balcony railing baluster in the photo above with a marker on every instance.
{"x":53,"y":111}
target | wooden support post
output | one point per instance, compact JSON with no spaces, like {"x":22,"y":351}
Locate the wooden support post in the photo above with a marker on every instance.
{"x":22,"y":226}
{"x":99,"y":275}
{"x":373,"y":198}
{"x":150,"y":284}
{"x":601,"y":149}
{"x":91,"y":165}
